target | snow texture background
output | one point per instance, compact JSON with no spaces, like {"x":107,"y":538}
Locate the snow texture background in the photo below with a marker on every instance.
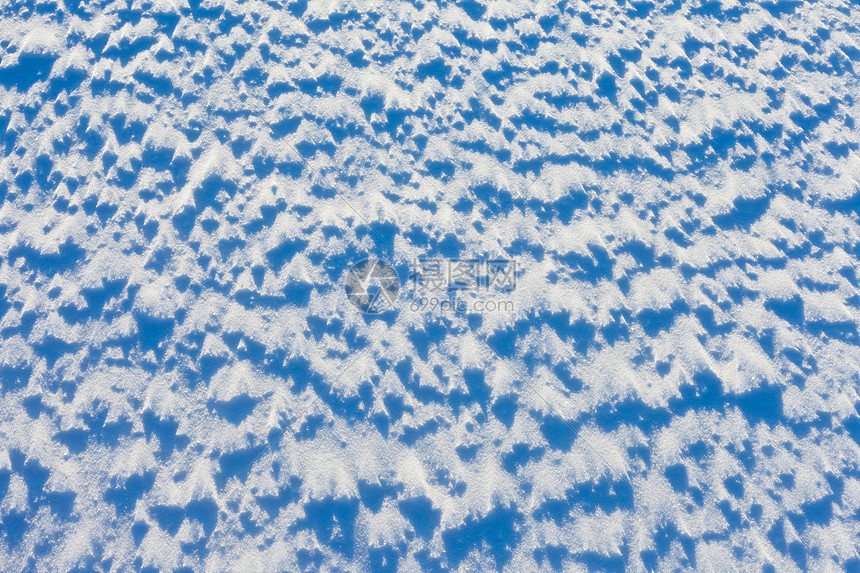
{"x":185,"y":387}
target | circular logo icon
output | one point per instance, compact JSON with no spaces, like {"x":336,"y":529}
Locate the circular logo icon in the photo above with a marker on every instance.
{"x":372,"y":286}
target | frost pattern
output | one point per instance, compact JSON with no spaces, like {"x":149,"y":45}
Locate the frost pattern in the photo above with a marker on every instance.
{"x":186,"y":387}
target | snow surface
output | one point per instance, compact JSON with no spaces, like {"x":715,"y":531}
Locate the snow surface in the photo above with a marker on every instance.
{"x":184,"y":385}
